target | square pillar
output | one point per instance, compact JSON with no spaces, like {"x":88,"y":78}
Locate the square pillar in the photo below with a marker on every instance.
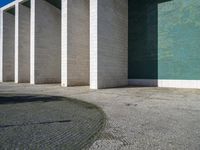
{"x":22,"y":44}
{"x":45,"y":43}
{"x":108,"y":43}
{"x":75,"y":42}
{"x":7,"y":46}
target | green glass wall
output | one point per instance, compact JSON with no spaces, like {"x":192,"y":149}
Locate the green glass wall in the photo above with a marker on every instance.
{"x":164,"y":39}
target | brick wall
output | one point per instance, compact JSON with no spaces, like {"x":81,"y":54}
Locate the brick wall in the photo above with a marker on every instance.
{"x":75,"y":42}
{"x":109,"y":43}
{"x":45,"y":42}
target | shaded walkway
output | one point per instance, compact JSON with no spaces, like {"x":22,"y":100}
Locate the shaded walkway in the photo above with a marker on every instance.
{"x":47,"y":122}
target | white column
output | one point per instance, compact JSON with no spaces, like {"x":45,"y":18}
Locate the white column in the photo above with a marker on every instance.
{"x":108,"y":43}
{"x":16,"y":42}
{"x":64,"y":42}
{"x":45,"y":42}
{"x":22,"y":44}
{"x":75,"y":42}
{"x":93,"y":44}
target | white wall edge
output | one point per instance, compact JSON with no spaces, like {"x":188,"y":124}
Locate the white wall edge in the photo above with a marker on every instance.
{"x":93,"y":44}
{"x":64,"y":42}
{"x":16,"y":43}
{"x":166,"y":83}
{"x":32,"y":43}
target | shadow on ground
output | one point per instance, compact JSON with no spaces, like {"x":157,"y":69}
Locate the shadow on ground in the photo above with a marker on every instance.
{"x":47,"y":122}
{"x":14,"y":99}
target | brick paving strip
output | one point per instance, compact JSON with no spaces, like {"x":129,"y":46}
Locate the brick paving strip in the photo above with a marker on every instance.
{"x":47,"y":122}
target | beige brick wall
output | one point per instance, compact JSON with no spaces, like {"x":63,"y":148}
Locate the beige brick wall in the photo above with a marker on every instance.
{"x":108,"y":43}
{"x":45,"y":43}
{"x":75,"y":42}
{"x":22,"y":44}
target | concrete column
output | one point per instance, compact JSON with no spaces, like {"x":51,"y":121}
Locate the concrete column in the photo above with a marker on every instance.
{"x":45,"y":43}
{"x":7,"y":46}
{"x":108,"y":43}
{"x":22,"y":44}
{"x":75,"y":42}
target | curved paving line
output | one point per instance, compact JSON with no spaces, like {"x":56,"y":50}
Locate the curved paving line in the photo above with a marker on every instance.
{"x":48,"y":122}
{"x":98,"y":133}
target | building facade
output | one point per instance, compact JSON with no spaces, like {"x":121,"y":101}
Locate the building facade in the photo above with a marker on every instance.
{"x":101,"y":43}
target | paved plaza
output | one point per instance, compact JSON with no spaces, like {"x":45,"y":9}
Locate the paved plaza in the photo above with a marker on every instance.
{"x":136,"y":117}
{"x":47,"y":122}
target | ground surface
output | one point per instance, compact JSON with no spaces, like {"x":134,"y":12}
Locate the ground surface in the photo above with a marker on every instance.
{"x":137,"y":118}
{"x":47,"y":122}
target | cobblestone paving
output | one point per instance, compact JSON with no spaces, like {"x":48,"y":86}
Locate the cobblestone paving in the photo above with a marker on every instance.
{"x":47,"y":122}
{"x":138,"y":118}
